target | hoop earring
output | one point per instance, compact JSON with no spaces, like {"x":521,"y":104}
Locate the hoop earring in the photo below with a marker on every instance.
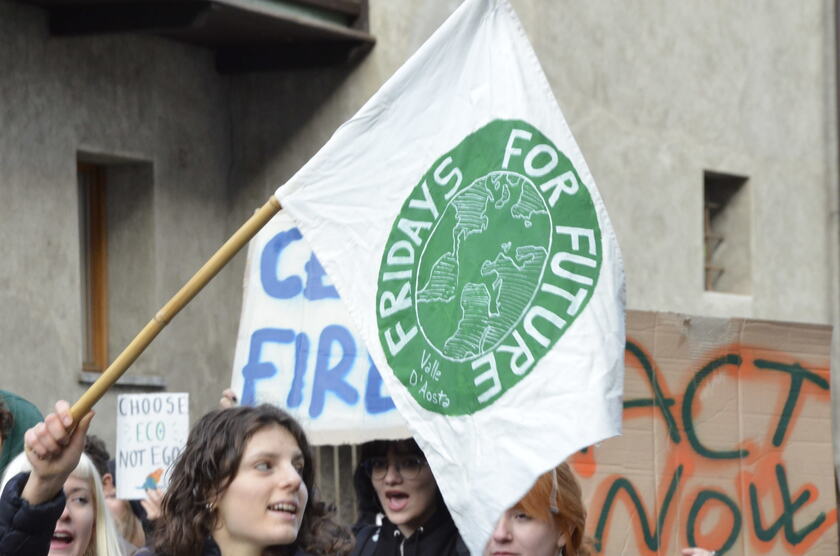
{"x":555,"y":490}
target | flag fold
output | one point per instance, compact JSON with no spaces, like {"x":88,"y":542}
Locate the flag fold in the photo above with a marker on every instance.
{"x":461,"y":226}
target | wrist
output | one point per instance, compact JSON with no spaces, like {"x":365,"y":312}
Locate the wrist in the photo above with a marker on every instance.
{"x":40,"y":489}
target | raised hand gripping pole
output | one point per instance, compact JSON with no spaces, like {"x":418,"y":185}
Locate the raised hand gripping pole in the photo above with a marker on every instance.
{"x":206,"y":273}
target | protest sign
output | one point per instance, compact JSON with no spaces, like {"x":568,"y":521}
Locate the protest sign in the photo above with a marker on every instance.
{"x":727,"y":441}
{"x":152,"y":431}
{"x":298,"y":349}
{"x":460,"y":224}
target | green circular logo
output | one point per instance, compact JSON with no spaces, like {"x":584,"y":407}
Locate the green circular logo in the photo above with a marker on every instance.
{"x":493,"y":255}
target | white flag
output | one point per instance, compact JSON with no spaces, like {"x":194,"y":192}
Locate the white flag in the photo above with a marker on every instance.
{"x":461,"y":226}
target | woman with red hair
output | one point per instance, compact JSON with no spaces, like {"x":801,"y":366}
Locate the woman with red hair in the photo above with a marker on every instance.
{"x":547,"y":521}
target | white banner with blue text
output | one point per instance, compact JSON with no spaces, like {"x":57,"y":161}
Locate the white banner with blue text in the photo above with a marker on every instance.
{"x":297,"y":348}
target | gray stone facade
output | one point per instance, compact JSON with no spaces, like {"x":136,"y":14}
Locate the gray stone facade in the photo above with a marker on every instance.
{"x":656,"y":93}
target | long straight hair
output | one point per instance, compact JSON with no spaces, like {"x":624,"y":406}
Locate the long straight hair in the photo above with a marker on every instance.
{"x":556,"y":498}
{"x":105,"y":540}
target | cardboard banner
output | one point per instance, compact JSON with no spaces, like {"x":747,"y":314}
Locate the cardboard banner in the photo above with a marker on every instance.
{"x":297,"y":348}
{"x":152,"y":431}
{"x":726,"y":445}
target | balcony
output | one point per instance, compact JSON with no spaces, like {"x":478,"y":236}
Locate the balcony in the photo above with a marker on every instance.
{"x":246,"y":35}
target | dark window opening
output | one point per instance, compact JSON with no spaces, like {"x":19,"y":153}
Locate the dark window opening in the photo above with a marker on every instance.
{"x":116,"y":255}
{"x":726,"y":227}
{"x":94,"y":255}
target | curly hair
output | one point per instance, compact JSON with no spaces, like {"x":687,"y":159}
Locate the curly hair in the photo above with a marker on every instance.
{"x":327,"y":536}
{"x":209,"y":464}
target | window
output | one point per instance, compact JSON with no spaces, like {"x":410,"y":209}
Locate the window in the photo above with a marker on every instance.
{"x":116,"y":255}
{"x":726,"y":227}
{"x":94,"y":265}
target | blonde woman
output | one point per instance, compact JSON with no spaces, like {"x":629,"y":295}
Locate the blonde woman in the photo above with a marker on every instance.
{"x":52,"y":500}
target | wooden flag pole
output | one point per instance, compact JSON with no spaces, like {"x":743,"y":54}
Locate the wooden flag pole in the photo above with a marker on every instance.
{"x":206,"y":273}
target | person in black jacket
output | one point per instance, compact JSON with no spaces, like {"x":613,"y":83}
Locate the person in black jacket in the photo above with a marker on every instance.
{"x":414,"y":520}
{"x":35,"y":515}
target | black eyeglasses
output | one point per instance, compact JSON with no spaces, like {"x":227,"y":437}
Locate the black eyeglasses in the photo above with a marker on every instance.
{"x":407,"y":466}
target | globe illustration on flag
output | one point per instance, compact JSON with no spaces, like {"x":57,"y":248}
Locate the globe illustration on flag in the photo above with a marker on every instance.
{"x":482,"y":265}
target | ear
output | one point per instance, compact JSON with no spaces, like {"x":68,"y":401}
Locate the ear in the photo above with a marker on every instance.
{"x":108,"y":484}
{"x":213,"y":502}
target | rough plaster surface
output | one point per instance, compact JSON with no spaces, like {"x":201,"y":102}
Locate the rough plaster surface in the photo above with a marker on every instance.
{"x":136,"y":98}
{"x":656,"y":92}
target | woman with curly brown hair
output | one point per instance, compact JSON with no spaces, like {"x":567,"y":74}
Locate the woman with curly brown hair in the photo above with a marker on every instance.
{"x":547,"y":521}
{"x":244,"y":485}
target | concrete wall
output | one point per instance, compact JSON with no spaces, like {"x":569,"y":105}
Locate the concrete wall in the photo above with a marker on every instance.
{"x":113,"y":99}
{"x":656,"y":93}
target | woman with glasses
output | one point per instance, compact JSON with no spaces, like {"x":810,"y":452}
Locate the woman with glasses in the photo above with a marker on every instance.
{"x":413,"y":519}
